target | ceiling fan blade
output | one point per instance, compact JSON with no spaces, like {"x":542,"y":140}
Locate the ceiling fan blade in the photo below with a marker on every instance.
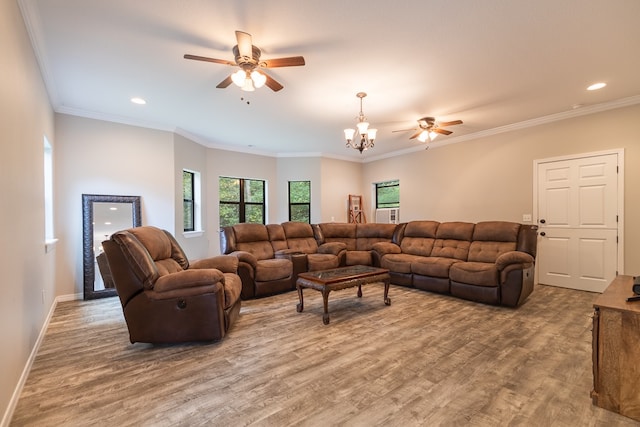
{"x":403,"y":130}
{"x":225,"y":83}
{"x":204,"y":58}
{"x":416,"y":134}
{"x":442,"y":131}
{"x":272,"y":84}
{"x":244,"y":43}
{"x":455,"y":122}
{"x":292,"y":61}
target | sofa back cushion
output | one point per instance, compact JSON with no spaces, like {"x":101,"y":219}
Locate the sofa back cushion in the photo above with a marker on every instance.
{"x":300,"y":237}
{"x":369,"y":234}
{"x":453,"y":240}
{"x":339,"y":232}
{"x":491,"y":239}
{"x":253,"y":238}
{"x":276,"y":237}
{"x":419,"y":237}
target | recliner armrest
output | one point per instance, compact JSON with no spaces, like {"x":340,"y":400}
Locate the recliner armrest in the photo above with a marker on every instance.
{"x":384,"y":248}
{"x":514,"y":257}
{"x":195,"y":278}
{"x":246,"y":257}
{"x":333,"y":248}
{"x":224,"y":263}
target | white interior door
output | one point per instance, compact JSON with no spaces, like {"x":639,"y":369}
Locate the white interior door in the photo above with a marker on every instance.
{"x":577,"y":215}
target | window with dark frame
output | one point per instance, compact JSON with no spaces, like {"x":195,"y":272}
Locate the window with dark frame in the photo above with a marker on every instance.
{"x":188,"y":179}
{"x":388,"y":194}
{"x":241,"y":200}
{"x":300,"y":201}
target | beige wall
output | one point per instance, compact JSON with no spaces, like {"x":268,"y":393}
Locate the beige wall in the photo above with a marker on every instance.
{"x":339,"y":179}
{"x":191,"y":156}
{"x":98,"y":157}
{"x":492,"y":177}
{"x":27,"y":271}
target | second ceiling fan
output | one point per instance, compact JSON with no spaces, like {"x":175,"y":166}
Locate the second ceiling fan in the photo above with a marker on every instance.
{"x":428,"y":128}
{"x":247,"y":57}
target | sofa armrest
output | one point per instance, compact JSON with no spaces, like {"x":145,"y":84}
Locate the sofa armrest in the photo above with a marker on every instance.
{"x":333,"y":248}
{"x":384,"y":248}
{"x":189,"y":279}
{"x":224,"y":263}
{"x":513,"y":259}
{"x":246,"y":257}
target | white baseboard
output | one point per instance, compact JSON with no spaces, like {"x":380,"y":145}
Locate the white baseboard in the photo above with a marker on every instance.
{"x":8,"y":414}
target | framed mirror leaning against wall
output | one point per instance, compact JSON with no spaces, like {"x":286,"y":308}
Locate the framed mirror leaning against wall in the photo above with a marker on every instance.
{"x":103,"y":215}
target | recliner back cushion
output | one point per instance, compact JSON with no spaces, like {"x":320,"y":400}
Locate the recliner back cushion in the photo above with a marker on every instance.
{"x":162,"y":248}
{"x":340,"y":232}
{"x":300,"y":237}
{"x":253,"y":238}
{"x":453,"y":240}
{"x":276,"y":237}
{"x":369,"y":234}
{"x":419,"y":237}
{"x":491,"y":239}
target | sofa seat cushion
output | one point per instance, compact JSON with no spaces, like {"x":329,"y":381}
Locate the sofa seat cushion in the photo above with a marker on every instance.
{"x":273,"y":269}
{"x":433,"y":266}
{"x":322,"y":261}
{"x":474,"y":273}
{"x":232,"y":289}
{"x":359,"y":258}
{"x":399,"y":263}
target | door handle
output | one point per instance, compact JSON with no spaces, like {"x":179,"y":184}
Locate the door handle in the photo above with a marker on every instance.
{"x":542,"y":233}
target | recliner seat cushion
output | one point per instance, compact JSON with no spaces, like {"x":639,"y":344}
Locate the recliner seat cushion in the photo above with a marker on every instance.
{"x":322,"y":261}
{"x":475,"y":273}
{"x":433,"y":266}
{"x":399,"y":263}
{"x":273,"y":269}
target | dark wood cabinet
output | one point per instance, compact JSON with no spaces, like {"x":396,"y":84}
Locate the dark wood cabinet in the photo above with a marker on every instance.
{"x":616,"y":350}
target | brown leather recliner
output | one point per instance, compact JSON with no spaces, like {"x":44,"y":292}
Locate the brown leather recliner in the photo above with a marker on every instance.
{"x":166,"y":299}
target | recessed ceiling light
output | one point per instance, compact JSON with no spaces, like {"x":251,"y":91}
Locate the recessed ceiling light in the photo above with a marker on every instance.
{"x":596,"y":86}
{"x":138,"y":100}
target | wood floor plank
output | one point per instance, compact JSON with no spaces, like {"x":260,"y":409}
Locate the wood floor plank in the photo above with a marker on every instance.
{"x":426,"y":359}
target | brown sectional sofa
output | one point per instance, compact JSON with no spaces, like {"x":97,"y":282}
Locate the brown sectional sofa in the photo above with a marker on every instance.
{"x":490,"y":262}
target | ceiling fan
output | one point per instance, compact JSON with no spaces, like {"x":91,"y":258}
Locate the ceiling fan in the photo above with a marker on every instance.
{"x":428,"y":129}
{"x":247,"y":57}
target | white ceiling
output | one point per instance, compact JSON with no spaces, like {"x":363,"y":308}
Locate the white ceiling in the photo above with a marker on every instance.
{"x":495,"y":64}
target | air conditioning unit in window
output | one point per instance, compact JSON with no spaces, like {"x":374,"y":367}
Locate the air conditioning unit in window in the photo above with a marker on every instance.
{"x":388,"y":216}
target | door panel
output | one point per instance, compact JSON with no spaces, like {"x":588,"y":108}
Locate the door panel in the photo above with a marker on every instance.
{"x":577,"y":213}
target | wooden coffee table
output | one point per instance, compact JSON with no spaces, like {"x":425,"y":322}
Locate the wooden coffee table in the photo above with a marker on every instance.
{"x":335,"y":279}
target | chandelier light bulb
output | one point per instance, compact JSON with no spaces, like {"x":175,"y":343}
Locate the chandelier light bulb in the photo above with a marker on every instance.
{"x":362,"y":127}
{"x":348,"y":134}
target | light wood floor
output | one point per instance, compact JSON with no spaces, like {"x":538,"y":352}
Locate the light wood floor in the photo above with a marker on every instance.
{"x":425,"y":360}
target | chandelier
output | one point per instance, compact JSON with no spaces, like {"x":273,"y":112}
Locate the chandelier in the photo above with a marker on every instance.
{"x":364,"y":139}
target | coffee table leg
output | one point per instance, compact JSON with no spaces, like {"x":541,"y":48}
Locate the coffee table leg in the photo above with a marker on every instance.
{"x":387,"y":300}
{"x":325,"y":301}
{"x":300,"y":305}
{"x":360,"y":291}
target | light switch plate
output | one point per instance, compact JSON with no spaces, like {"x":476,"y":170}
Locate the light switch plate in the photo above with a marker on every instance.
{"x":526,"y":217}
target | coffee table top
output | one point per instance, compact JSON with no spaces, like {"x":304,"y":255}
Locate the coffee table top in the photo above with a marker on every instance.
{"x":342,"y":273}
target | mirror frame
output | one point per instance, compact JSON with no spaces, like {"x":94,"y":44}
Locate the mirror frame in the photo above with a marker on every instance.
{"x":87,"y":239}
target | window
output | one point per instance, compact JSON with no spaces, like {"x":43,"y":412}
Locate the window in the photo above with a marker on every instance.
{"x":300,"y":201}
{"x":388,"y":194}
{"x":188,"y":204}
{"x":241,"y":200}
{"x":191,"y":203}
{"x":48,"y":191}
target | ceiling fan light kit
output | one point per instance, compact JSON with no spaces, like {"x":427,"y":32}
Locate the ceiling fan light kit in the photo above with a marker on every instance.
{"x":428,"y":129}
{"x":247,"y":57}
{"x":366,"y":136}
